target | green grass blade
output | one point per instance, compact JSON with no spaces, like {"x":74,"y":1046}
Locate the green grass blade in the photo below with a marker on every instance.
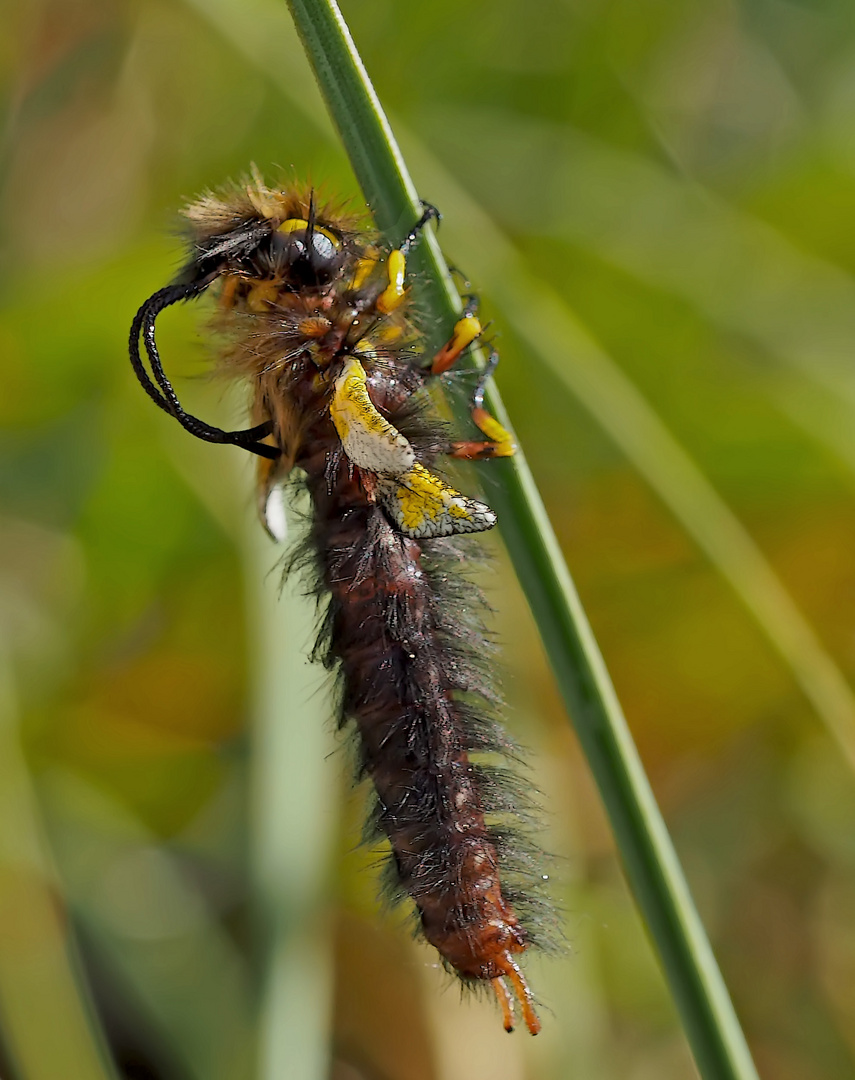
{"x":370,"y":145}
{"x":649,"y":859}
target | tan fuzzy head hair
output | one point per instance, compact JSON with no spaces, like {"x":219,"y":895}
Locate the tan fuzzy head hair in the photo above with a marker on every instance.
{"x":218,"y":212}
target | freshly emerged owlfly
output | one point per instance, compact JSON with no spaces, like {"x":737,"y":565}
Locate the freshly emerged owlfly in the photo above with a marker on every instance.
{"x":313,"y":309}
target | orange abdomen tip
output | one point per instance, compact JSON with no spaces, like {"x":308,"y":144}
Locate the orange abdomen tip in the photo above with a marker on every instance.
{"x":522,"y":993}
{"x":505,"y":1001}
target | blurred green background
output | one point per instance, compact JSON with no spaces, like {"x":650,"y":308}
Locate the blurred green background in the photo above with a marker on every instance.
{"x":656,"y":201}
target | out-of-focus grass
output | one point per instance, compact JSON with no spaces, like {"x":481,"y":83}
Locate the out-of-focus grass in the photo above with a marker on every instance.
{"x":153,"y":933}
{"x":682,"y":177}
{"x":42,"y":986}
{"x":294,"y":821}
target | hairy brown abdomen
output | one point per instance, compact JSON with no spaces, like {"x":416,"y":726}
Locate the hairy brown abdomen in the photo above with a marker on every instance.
{"x":400,"y":677}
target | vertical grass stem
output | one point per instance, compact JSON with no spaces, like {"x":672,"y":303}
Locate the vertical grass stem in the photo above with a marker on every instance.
{"x":648,"y":856}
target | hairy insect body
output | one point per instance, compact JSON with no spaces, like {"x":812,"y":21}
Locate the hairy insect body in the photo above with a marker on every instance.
{"x":315,"y":317}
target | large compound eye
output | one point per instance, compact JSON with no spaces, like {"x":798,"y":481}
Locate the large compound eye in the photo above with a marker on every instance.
{"x":323,"y":246}
{"x":312,"y":261}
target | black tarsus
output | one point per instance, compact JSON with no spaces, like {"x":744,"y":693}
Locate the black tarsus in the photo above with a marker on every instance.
{"x":472,"y":303}
{"x":489,"y":368}
{"x":165,"y":397}
{"x":429,"y":213}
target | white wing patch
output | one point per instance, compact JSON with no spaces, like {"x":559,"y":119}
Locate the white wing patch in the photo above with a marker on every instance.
{"x":274,"y":515}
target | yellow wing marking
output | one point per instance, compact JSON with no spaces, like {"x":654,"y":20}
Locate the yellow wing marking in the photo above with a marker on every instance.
{"x":422,"y":505}
{"x":369,"y":440}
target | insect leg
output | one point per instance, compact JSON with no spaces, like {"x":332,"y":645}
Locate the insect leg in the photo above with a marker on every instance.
{"x":466,"y":330}
{"x":429,"y":213}
{"x":499,"y":442}
{"x":396,"y":265}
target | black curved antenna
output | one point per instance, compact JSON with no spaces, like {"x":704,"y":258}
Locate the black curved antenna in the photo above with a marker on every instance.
{"x":165,"y":397}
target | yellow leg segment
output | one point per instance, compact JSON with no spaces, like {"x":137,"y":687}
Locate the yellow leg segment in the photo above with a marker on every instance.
{"x":500,"y":441}
{"x":394,"y":293}
{"x":466,"y":330}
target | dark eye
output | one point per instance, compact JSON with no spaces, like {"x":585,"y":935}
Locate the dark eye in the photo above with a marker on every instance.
{"x":305,"y":261}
